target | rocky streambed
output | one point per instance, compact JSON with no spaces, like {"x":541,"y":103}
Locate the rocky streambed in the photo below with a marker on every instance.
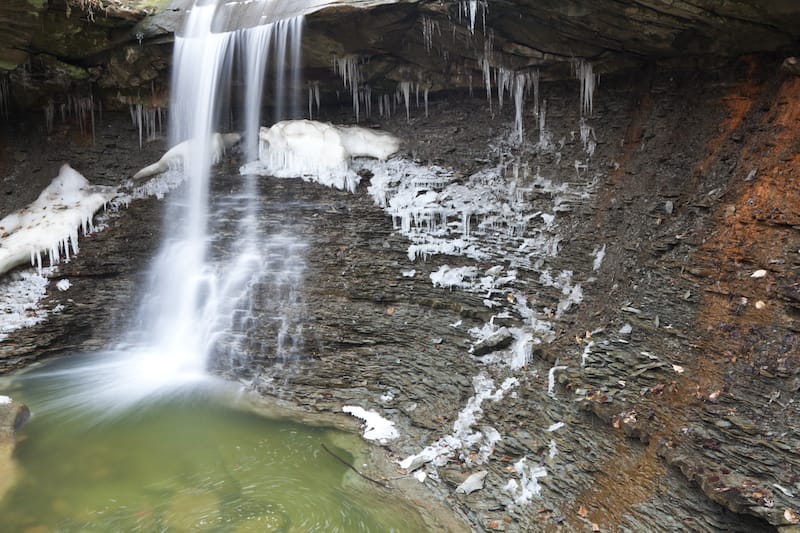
{"x":662,"y":394}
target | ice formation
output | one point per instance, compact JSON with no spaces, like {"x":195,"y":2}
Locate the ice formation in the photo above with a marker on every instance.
{"x":551,"y":378}
{"x":347,"y":67}
{"x":20,"y":294}
{"x":175,"y":156}
{"x":441,"y":215}
{"x":584,"y":72}
{"x":376,"y":427}
{"x":148,"y":120}
{"x":4,"y":400}
{"x":528,"y":486}
{"x":599,"y":254}
{"x":429,"y":27}
{"x":469,"y":10}
{"x":319,"y":151}
{"x":464,"y":437}
{"x":448,"y":277}
{"x":313,"y":97}
{"x":52,"y":222}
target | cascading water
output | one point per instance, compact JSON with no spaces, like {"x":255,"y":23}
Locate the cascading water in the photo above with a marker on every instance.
{"x":216,"y":253}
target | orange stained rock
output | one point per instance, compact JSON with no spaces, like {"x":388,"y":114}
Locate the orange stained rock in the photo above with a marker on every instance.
{"x":629,"y":476}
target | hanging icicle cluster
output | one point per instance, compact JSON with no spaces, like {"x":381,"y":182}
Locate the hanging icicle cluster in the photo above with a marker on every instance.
{"x":79,"y":109}
{"x":313,"y":96}
{"x":584,"y":72}
{"x":348,"y":68}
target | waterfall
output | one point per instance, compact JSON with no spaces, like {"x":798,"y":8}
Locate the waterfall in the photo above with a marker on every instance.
{"x":199,"y":298}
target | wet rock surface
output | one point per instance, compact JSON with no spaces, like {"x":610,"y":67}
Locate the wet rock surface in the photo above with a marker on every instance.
{"x":12,"y":416}
{"x":678,"y":389}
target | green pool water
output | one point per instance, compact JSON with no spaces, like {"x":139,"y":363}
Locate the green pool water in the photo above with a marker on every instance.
{"x":193,"y":463}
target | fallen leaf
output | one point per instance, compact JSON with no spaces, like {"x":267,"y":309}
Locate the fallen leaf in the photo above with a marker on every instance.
{"x":595,"y":527}
{"x":494,"y":524}
{"x":759,"y":273}
{"x":390,"y":310}
{"x":582,"y":511}
{"x":791,"y":516}
{"x":507,"y":520}
{"x":714,"y":396}
{"x":760,"y":305}
{"x":678,"y":369}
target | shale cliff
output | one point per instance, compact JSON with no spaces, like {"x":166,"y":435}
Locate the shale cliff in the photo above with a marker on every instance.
{"x":648,"y":378}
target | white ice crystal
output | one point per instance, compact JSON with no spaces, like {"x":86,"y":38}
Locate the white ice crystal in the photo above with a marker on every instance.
{"x":528,"y":486}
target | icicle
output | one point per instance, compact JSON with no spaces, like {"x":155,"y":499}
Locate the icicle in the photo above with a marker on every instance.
{"x":588,"y":138}
{"x":487,"y":80}
{"x":520,"y":86}
{"x":504,"y":80}
{"x":347,"y":69}
{"x":429,"y":26}
{"x":310,"y":102}
{"x":404,"y":87}
{"x":49,"y":112}
{"x":367,"y":97}
{"x":426,"y":101}
{"x":589,"y":81}
{"x":139,"y":122}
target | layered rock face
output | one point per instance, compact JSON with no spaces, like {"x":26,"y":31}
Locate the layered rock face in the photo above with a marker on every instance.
{"x":675,"y":378}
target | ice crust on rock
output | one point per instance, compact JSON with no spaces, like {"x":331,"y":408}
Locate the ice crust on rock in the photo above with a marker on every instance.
{"x":174,"y":157}
{"x":528,"y":486}
{"x":20,"y":294}
{"x":319,"y":151}
{"x":51,"y":223}
{"x":375,"y":426}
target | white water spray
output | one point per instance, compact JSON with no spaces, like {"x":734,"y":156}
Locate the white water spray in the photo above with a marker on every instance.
{"x":200,"y":279}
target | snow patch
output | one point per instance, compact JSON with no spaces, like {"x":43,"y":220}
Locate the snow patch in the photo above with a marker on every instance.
{"x":63,"y":285}
{"x":376,"y":427}
{"x":4,"y":400}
